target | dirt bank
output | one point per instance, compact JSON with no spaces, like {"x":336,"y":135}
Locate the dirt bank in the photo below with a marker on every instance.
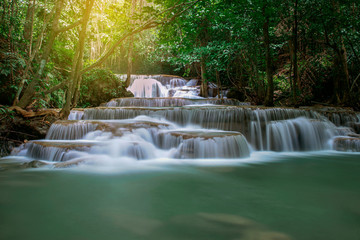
{"x":16,"y":129}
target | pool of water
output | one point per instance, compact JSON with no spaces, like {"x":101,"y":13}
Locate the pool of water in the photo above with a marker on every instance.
{"x":276,"y":196}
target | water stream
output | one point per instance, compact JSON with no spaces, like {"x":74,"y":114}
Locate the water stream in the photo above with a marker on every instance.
{"x":159,"y":166}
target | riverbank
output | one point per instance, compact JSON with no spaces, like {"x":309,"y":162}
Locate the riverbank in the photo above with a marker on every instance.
{"x":16,"y":129}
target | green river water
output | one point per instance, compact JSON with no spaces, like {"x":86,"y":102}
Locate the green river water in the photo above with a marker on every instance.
{"x":287,"y":196}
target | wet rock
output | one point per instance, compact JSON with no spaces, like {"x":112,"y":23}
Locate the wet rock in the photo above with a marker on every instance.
{"x":344,"y":131}
{"x":347,"y":144}
{"x":252,"y":121}
{"x":355,"y":126}
{"x":57,"y":150}
{"x":340,"y":116}
{"x":69,"y":163}
{"x":77,"y":129}
{"x":34,"y":164}
{"x":236,"y":94}
{"x":204,"y":144}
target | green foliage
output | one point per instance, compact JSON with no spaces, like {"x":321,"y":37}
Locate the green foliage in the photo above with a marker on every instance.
{"x":6,"y":113}
{"x":100,"y":86}
{"x":227,"y":36}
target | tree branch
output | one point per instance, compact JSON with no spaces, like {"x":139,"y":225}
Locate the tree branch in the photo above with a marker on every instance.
{"x":151,"y":23}
{"x":352,"y":86}
{"x":115,"y":45}
{"x":64,"y":29}
{"x":56,"y":87}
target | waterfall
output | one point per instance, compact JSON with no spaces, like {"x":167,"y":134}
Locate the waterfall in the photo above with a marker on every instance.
{"x":204,"y":144}
{"x":75,"y":115}
{"x":299,"y":134}
{"x":70,"y":130}
{"x":177,"y":82}
{"x":57,"y":150}
{"x":163,"y":86}
{"x":153,"y":125}
{"x":142,"y":87}
{"x":231,"y":118}
{"x":170,"y":102}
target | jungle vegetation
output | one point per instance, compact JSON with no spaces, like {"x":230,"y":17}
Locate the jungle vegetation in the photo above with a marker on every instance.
{"x":63,"y":53}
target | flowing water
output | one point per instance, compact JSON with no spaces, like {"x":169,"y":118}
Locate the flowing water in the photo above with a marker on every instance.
{"x":185,"y":168}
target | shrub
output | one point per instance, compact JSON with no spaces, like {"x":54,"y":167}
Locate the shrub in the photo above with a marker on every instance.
{"x":99,"y":86}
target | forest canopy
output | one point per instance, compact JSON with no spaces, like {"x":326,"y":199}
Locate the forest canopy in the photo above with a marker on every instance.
{"x":266,"y":51}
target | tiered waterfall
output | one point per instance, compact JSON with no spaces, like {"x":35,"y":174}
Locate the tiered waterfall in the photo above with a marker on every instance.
{"x":168,"y":120}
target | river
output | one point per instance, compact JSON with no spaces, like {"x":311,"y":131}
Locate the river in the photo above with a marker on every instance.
{"x":300,"y":196}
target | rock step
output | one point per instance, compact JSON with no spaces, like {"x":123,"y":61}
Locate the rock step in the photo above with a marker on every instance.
{"x":77,"y":129}
{"x":170,"y":102}
{"x":61,"y":151}
{"x":57,"y":150}
{"x":204,"y":144}
{"x":347,"y":144}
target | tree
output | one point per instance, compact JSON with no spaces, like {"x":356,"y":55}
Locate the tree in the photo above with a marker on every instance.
{"x":55,"y":30}
{"x":77,"y":64}
{"x":269,"y":72}
{"x":131,"y":45}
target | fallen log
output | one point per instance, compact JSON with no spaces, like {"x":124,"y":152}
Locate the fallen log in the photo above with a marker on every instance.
{"x":29,"y":114}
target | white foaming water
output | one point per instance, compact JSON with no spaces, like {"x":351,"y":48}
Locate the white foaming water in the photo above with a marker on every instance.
{"x":163,"y":130}
{"x":187,"y":92}
{"x":70,"y":130}
{"x":148,"y":88}
{"x":177,"y":82}
{"x":151,"y":88}
{"x":75,"y":115}
{"x":299,"y":134}
{"x":171,"y":102}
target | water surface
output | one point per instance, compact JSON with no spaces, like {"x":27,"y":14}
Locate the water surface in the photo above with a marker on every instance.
{"x":284,"y":196}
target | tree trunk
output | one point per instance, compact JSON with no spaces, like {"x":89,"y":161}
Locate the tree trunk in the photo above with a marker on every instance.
{"x":269,"y":75}
{"x":75,"y":76}
{"x":30,"y":91}
{"x":34,"y":51}
{"x":28,"y":33}
{"x":217,"y":74}
{"x":28,"y":26}
{"x":129,"y":61}
{"x":343,"y":80}
{"x":204,"y":85}
{"x":203,"y":38}
{"x":346,"y":79}
{"x":130,"y":49}
{"x":295,"y":50}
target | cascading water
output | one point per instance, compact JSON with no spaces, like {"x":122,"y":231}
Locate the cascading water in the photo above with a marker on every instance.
{"x":298,"y":134}
{"x":148,"y":88}
{"x":76,"y":115}
{"x":154,"y":126}
{"x":167,"y":102}
{"x":162,"y":86}
{"x":174,"y":168}
{"x":177,"y":82}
